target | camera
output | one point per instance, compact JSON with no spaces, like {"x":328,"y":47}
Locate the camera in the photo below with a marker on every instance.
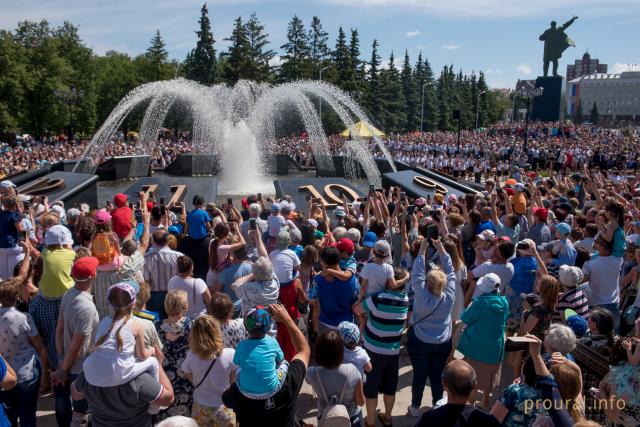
{"x":252,"y":224}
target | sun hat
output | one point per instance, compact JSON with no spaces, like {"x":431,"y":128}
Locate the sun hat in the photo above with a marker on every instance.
{"x":7,"y":184}
{"x":350,"y":332}
{"x":58,"y":235}
{"x":420,"y":201}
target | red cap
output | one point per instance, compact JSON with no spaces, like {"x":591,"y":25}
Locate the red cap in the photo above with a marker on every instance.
{"x":541,"y":213}
{"x":504,"y":239}
{"x":345,"y":245}
{"x":120,"y":200}
{"x":84,"y":268}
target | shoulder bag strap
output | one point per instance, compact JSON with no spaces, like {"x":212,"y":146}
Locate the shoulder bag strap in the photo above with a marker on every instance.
{"x":344,"y":386}
{"x":324,"y":393}
{"x":206,"y":373}
{"x":426,"y":316}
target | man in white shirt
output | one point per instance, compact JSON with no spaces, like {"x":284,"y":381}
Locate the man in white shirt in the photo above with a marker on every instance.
{"x":285,"y":262}
{"x":603,"y":275}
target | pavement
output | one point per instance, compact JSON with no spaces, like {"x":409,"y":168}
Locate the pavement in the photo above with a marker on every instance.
{"x":307,"y":400}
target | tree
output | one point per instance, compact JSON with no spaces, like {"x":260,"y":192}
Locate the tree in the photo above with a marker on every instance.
{"x":200,"y":64}
{"x":427,"y":110}
{"x":483,"y":115}
{"x":157,"y":59}
{"x":594,"y":113}
{"x":342,"y":62}
{"x":239,"y":64}
{"x":260,"y":56}
{"x":578,"y":116}
{"x":296,"y":52}
{"x":409,"y":90}
{"x":355,"y":82}
{"x":392,"y":98}
{"x":371,"y":103}
{"x":318,"y":48}
{"x":444,"y":110}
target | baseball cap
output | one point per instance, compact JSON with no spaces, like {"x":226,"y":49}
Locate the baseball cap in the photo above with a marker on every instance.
{"x":7,"y":184}
{"x":120,"y":199}
{"x":58,"y":235}
{"x":486,"y":235}
{"x":84,"y":268}
{"x":73,"y":213}
{"x":318,"y":234}
{"x":339,"y":211}
{"x":257,"y":321}
{"x":563,"y":228}
{"x":125,"y":287}
{"x":349,"y":331}
{"x":102,"y":217}
{"x":382,"y":249}
{"x":541,"y":213}
{"x":370,"y":239}
{"x":570,"y":276}
{"x":275,"y":207}
{"x":578,"y":324}
{"x":519,"y":186}
{"x":511,"y":182}
{"x":345,"y":245}
{"x":313,"y":222}
{"x":487,"y":283}
{"x":296,"y":235}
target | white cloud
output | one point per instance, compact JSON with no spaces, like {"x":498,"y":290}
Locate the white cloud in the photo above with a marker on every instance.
{"x":412,"y":33}
{"x":621,"y":68}
{"x":524,"y":70}
{"x":275,"y":61}
{"x":502,"y":8}
{"x":450,"y":46}
{"x":493,"y":71}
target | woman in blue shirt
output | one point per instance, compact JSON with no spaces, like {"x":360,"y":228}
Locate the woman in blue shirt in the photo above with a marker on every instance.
{"x":614,"y":229}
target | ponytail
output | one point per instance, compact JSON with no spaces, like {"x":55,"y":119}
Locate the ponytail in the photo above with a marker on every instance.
{"x":213,"y":253}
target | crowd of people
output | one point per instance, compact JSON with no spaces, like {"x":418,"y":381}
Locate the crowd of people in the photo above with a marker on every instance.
{"x":141,"y":313}
{"x":480,"y":153}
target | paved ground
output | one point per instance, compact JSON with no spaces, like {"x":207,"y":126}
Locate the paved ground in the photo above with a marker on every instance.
{"x":307,"y":404}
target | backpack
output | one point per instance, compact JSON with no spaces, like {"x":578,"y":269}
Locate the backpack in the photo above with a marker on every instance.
{"x":101,"y":248}
{"x":334,"y":414}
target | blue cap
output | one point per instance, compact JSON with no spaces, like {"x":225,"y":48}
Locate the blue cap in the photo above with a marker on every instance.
{"x":173,"y":230}
{"x":350,"y":332}
{"x":257,"y":321}
{"x":370,"y":239}
{"x":578,"y":324}
{"x":563,"y":228}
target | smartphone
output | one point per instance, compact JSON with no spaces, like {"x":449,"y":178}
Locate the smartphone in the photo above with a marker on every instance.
{"x":162,"y":200}
{"x":309,"y":197}
{"x":252,"y":224}
{"x":230,"y":201}
{"x":517,"y":343}
{"x":22,"y":236}
{"x":151,"y":196}
{"x":403,"y":195}
{"x":372,"y":189}
{"x":163,"y":210}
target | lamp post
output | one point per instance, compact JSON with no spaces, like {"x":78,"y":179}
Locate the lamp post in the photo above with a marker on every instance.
{"x":320,"y":98}
{"x":422,"y":104}
{"x":528,"y":92}
{"x":478,"y":106}
{"x":70,"y":97}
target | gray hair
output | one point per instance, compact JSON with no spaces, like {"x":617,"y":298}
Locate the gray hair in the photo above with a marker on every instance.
{"x":354,"y":235}
{"x":339,"y":233}
{"x":262,"y":269}
{"x":254,"y":208}
{"x":178,"y":421}
{"x":560,"y":338}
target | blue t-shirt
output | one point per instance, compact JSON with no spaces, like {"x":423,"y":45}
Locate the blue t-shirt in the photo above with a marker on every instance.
{"x":197,"y":220}
{"x":487,"y":225}
{"x":232,"y":273}
{"x":524,"y":274}
{"x":258,"y":360}
{"x":336,"y":299}
{"x":8,"y":230}
{"x":4,"y":422}
{"x":297,"y":250}
{"x":566,"y":256}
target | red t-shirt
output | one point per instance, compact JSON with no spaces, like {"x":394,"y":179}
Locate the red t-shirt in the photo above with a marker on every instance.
{"x":121,"y":221}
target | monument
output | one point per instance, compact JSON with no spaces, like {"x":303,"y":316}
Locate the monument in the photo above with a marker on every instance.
{"x":547,"y":107}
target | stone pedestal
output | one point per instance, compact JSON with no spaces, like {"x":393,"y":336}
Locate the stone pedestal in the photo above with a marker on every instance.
{"x":547,"y":108}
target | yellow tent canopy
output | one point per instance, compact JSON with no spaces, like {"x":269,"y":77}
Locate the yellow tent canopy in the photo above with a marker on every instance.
{"x":363,"y":129}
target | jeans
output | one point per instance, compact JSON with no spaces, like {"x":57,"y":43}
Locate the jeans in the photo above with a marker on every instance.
{"x":65,"y":405}
{"x":427,"y":361}
{"x":156,"y":303}
{"x":615,"y":310}
{"x":21,"y":401}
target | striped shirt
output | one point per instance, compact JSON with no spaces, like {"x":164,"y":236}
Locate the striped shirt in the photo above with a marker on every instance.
{"x":574,"y":299}
{"x":160,"y":265}
{"x":386,"y":315}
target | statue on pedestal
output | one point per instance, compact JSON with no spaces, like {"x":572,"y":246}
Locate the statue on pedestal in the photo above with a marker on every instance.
{"x":556,"y":41}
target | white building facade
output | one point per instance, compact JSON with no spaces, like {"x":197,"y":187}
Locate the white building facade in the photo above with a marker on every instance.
{"x":617,"y":96}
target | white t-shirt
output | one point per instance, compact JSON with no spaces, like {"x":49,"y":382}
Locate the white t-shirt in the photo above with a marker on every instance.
{"x":275,"y":223}
{"x":217,"y":381}
{"x":194,"y":288}
{"x":604,"y":275}
{"x":358,"y":357}
{"x":377,"y":276}
{"x":284,"y":261}
{"x":504,"y":272}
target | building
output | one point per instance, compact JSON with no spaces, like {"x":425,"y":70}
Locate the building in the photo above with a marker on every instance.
{"x":617,"y":96}
{"x":584,"y":67}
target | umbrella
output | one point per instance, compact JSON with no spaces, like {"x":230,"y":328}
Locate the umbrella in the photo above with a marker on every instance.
{"x":362,"y":129}
{"x":132,"y":134}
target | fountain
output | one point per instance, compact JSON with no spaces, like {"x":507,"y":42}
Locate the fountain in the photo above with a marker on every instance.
{"x":234,"y":125}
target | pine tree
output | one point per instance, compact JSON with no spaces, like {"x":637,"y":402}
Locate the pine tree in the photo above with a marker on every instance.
{"x":200,"y":64}
{"x":594,"y":113}
{"x":392,"y":98}
{"x":356,"y":70}
{"x":240,"y":64}
{"x":341,"y":61}
{"x":483,"y":114}
{"x":578,"y":117}
{"x":260,"y":56}
{"x":427,"y":109}
{"x":157,"y":56}
{"x":372,"y":104}
{"x":318,"y":48}
{"x":444,"y":110}
{"x":409,"y":90}
{"x":296,"y":52}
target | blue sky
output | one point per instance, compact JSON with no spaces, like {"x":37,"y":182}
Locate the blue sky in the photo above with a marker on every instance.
{"x":499,"y":37}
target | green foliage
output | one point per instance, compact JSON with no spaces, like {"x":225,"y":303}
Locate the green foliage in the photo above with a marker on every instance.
{"x":318,"y":47}
{"x":200,"y":64}
{"x":239,"y":62}
{"x":259,"y":55}
{"x":296,"y":63}
{"x":392,"y":99}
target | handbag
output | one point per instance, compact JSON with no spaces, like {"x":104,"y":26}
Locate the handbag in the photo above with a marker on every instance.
{"x":206,"y":373}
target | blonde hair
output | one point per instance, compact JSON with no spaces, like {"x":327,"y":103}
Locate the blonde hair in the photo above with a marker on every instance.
{"x":82,"y":252}
{"x":172,"y":242}
{"x":49,"y":219}
{"x":436,"y":281}
{"x":205,"y":339}
{"x":175,"y":303}
{"x":569,"y":380}
{"x":549,"y":291}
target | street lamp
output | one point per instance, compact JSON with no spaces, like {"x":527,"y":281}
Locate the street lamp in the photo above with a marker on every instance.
{"x":320,"y":98}
{"x":422,"y":104}
{"x":70,"y":97}
{"x":478,"y":106}
{"x":528,"y":92}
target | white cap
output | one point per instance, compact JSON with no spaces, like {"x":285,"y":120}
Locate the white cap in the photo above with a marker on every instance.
{"x":570,"y":276}
{"x":313,"y":222}
{"x":487,"y":283}
{"x":58,"y":235}
{"x":486,"y":235}
{"x":6,"y":184}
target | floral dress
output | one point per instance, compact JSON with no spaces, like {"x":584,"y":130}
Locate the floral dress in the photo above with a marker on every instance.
{"x":175,"y":338}
{"x":624,"y":379}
